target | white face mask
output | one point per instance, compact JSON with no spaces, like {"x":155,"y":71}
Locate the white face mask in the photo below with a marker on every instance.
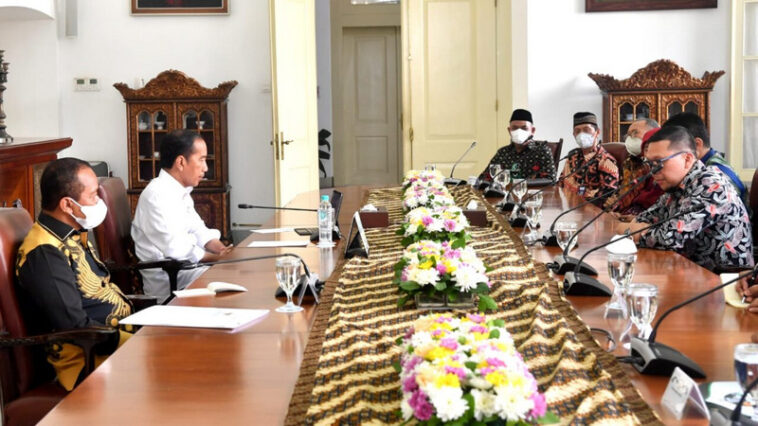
{"x":585,"y":140}
{"x":633,"y":145}
{"x":519,"y":136}
{"x":94,"y":215}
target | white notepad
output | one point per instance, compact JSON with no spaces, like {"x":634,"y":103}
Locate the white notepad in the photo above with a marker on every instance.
{"x":280,"y":243}
{"x":196,"y":317}
{"x":211,"y":289}
{"x":272,"y":230}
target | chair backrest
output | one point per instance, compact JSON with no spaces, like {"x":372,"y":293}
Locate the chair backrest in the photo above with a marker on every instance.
{"x":16,"y":365}
{"x":555,"y":148}
{"x":113,"y":236}
{"x":618,"y":151}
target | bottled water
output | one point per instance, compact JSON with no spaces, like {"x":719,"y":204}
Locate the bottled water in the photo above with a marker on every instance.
{"x":325,"y":222}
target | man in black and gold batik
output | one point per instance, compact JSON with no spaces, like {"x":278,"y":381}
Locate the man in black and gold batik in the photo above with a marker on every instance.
{"x":61,"y":283}
{"x":701,"y":214}
{"x":523,"y":157}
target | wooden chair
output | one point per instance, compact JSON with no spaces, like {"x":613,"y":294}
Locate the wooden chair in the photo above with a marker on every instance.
{"x":113,"y":236}
{"x":555,"y":148}
{"x":26,"y":380}
{"x":618,"y":151}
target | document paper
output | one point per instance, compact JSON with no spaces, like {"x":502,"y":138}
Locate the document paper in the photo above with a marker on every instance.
{"x":197,"y":317}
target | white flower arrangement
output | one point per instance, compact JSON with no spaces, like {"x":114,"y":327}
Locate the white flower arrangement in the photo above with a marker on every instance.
{"x":439,"y":223}
{"x":423,"y":178}
{"x":466,"y":370}
{"x":426,"y":196}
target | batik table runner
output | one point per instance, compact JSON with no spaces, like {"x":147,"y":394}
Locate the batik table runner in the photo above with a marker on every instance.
{"x":347,"y":375}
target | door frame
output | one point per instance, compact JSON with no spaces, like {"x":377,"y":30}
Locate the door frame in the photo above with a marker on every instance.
{"x":343,"y":14}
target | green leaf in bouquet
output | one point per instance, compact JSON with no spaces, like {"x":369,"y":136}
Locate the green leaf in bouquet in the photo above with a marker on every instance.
{"x":459,"y":243}
{"x":402,"y":301}
{"x":399,"y":340}
{"x":486,"y":303}
{"x":471,"y":365}
{"x":396,"y":366}
{"x":409,"y":285}
{"x":440,"y":286}
{"x":482,"y":288}
{"x":494,"y":334}
{"x":498,"y":322}
{"x":549,"y":418}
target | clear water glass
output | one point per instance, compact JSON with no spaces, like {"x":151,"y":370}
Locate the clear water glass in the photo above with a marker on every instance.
{"x":564,"y":231}
{"x":494,"y":170}
{"x":288,"y":274}
{"x":643,"y":303}
{"x":519,"y":189}
{"x":621,"y":271}
{"x":533,"y":213}
{"x":502,"y":179}
{"x":617,"y":323}
{"x":746,"y":370}
{"x":430,"y":167}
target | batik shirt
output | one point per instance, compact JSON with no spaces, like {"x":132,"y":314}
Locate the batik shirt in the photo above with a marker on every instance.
{"x":599,"y":177}
{"x":535,"y":161}
{"x":714,"y":230}
{"x":642,"y":197}
{"x":716,"y":159}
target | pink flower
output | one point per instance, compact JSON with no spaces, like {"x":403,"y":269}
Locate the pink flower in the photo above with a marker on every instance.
{"x":441,"y":269}
{"x":409,"y":384}
{"x":479,"y":329}
{"x":449,"y":343}
{"x":427,"y":220}
{"x":409,"y":333}
{"x":422,"y":409}
{"x":412,"y":363}
{"x":495,"y":362}
{"x":461,"y":373}
{"x":449,"y":225}
{"x":476,"y":318}
{"x":540,"y":406}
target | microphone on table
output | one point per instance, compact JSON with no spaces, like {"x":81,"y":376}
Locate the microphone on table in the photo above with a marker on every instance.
{"x":307,"y":281}
{"x":563,"y":262}
{"x":651,"y":357}
{"x":578,"y":284}
{"x":737,"y":412}
{"x":451,"y":180}
{"x":250,"y":206}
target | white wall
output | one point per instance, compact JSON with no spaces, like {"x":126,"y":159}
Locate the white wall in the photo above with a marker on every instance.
{"x":324,"y":74}
{"x":114,"y":46}
{"x":565,"y":43}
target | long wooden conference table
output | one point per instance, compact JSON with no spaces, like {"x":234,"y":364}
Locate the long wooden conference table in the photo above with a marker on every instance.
{"x":201,"y":376}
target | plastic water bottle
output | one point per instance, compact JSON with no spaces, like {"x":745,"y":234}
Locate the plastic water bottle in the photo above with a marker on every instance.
{"x":325,"y":222}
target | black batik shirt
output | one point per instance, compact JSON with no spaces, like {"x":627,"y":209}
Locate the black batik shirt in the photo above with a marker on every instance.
{"x":534,"y":162}
{"x":714,"y":230}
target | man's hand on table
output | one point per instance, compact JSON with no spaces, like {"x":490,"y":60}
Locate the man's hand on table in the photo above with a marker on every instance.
{"x":623,"y":227}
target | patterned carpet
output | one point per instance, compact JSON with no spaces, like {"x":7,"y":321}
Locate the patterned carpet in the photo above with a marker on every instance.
{"x":347,"y":376}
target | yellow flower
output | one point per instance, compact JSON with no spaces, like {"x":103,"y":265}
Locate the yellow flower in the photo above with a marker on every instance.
{"x":447,"y":380}
{"x":427,"y":264}
{"x":496,"y":378}
{"x":438,"y":352}
{"x":449,"y":266}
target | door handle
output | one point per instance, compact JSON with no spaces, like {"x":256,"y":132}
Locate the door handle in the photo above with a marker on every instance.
{"x":283,"y":142}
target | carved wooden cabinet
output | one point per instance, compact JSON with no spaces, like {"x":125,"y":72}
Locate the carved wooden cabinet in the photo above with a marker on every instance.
{"x":657,"y":91}
{"x":173,"y":101}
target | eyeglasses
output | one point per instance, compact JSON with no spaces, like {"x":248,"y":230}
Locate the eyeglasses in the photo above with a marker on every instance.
{"x":658,"y":164}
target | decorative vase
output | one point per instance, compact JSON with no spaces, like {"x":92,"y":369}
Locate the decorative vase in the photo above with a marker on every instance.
{"x":441,"y":302}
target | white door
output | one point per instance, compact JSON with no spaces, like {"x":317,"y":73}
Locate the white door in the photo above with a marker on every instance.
{"x":452,"y":82}
{"x":369,"y":152}
{"x":293,"y":97}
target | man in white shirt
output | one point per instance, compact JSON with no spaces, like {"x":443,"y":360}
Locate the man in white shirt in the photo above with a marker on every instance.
{"x":166,"y":223}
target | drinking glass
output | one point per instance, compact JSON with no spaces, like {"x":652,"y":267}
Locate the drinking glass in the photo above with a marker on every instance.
{"x":502,"y":179}
{"x":746,"y":370}
{"x":643,"y":303}
{"x":494,"y":170}
{"x":533,"y":212}
{"x":564,"y":231}
{"x":518,"y":190}
{"x":618,"y":325}
{"x":430,"y":167}
{"x":288,"y":274}
{"x":621,"y":271}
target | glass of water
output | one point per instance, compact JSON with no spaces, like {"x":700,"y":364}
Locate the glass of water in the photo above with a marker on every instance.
{"x":502,"y":179}
{"x":495,"y":169}
{"x":533,"y":212}
{"x":746,"y":370}
{"x":288,"y":274}
{"x":430,"y":167}
{"x":643,"y":304}
{"x":564,"y":231}
{"x":621,"y":271}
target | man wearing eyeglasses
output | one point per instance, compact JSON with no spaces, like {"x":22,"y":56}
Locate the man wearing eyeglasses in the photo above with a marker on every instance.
{"x":704,"y":217}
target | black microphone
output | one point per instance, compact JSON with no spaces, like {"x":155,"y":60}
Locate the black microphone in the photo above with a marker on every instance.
{"x":578,"y":284}
{"x":308,"y":280}
{"x":563,"y":262}
{"x":651,"y":357}
{"x":737,"y":412}
{"x":250,"y":206}
{"x":451,"y":180}
{"x":550,"y":240}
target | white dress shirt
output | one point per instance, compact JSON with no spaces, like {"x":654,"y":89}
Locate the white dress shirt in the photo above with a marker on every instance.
{"x":167,"y":225}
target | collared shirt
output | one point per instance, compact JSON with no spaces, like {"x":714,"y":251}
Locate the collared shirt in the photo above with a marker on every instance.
{"x":63,"y":285}
{"x":714,"y":230}
{"x":166,"y":225}
{"x":600,"y":177}
{"x":642,"y":197}
{"x":535,"y":161}
{"x":716,"y":159}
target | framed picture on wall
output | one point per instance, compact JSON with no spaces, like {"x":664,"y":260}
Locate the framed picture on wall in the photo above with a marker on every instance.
{"x":617,"y":5}
{"x":180,"y":7}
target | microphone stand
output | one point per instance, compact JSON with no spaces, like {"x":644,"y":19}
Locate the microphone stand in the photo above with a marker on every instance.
{"x":551,"y":240}
{"x":250,"y":206}
{"x":563,"y":262}
{"x":309,"y":280}
{"x":578,"y":284}
{"x":737,"y":413}
{"x":651,"y":357}
{"x":451,"y":180}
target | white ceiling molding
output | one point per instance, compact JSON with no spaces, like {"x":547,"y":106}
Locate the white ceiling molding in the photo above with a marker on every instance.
{"x":26,"y":10}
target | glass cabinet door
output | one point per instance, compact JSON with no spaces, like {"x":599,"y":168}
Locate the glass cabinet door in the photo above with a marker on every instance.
{"x":150,"y":123}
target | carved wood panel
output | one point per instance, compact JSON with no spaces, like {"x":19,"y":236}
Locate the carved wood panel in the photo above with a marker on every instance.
{"x":634,"y":100}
